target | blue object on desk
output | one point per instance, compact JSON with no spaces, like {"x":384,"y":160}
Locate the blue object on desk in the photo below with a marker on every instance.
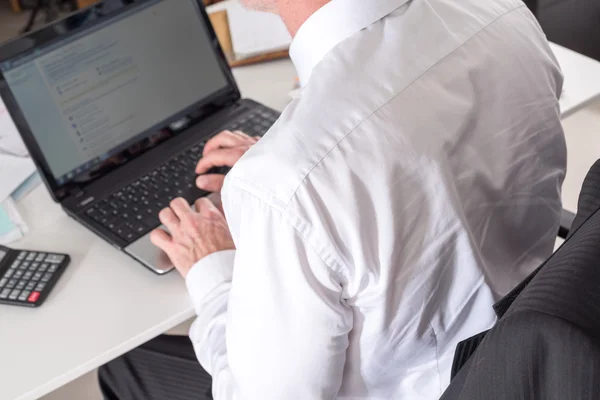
{"x":6,"y":224}
{"x":30,"y":183}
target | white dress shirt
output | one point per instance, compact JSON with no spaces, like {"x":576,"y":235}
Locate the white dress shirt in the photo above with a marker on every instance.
{"x":414,"y":182}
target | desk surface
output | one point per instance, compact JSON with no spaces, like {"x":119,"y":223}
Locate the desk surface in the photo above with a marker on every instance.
{"x":106,"y":303}
{"x":582,"y":80}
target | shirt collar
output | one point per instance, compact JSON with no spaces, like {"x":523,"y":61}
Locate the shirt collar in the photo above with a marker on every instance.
{"x":332,"y":24}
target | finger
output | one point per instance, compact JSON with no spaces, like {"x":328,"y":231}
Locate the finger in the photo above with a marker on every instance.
{"x":180,"y":207}
{"x":225,"y":139}
{"x":162,"y":240}
{"x":210,"y":183}
{"x":242,"y":134}
{"x":220,"y":158}
{"x":215,"y":198}
{"x":168,"y":218}
{"x":206,"y":207}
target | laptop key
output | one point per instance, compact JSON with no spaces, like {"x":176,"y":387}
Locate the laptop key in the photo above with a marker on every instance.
{"x":114,"y":225}
{"x":125,"y":233}
{"x":94,"y":214}
{"x":151,"y":222}
{"x":138,"y":228}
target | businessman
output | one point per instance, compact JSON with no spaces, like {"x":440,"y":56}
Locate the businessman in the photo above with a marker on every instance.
{"x":413,"y":184}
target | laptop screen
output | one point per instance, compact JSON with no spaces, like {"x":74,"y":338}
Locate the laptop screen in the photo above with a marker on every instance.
{"x":90,"y":95}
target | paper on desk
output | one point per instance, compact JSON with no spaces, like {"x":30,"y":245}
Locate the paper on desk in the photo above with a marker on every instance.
{"x":13,"y":172}
{"x":12,"y":226}
{"x":26,"y":187}
{"x":255,"y":32}
{"x":10,"y":140}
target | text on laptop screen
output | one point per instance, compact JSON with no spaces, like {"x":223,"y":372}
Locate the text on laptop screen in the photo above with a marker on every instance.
{"x":97,"y":90}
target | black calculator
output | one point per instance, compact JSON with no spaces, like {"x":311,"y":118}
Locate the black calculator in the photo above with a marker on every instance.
{"x":27,"y":277}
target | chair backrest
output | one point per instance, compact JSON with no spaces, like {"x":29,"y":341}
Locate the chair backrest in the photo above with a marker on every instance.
{"x":532,"y":5}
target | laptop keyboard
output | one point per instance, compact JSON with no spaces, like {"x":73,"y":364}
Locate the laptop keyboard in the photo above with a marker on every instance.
{"x":132,"y":211}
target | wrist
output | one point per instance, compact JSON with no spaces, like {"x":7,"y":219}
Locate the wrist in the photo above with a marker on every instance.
{"x":208,"y":274}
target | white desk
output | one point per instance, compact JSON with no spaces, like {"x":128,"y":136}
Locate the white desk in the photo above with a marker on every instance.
{"x":106,"y":304}
{"x":582,"y":80}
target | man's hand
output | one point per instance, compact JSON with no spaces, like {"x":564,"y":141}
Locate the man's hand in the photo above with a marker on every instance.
{"x":192,"y":235}
{"x":223,"y":150}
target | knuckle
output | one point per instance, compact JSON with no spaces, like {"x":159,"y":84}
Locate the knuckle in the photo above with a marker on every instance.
{"x":211,"y":213}
{"x":194,"y":225}
{"x":187,"y":217}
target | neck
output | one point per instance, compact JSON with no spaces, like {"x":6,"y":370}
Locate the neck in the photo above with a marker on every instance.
{"x":295,"y":12}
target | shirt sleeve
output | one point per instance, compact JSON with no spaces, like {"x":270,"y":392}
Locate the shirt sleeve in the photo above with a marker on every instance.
{"x":271,"y":321}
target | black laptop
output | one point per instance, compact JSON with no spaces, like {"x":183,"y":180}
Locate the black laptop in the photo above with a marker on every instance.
{"x":115,"y":103}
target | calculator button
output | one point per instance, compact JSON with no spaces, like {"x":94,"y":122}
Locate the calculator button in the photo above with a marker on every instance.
{"x":37,"y":276}
{"x":43,"y":267}
{"x":15,"y":264}
{"x":30,"y":286}
{"x":18,"y":274}
{"x":9,"y":273}
{"x":40,"y":286}
{"x":40,"y":257}
{"x":47,"y":276}
{"x":27,"y":275}
{"x":24,"y":295}
{"x":4,"y":294}
{"x":54,"y":258}
{"x":3,"y":282}
{"x":21,"y":285}
{"x":22,"y":266}
{"x":35,"y":264}
{"x":11,"y":284}
{"x":31,"y":256}
{"x":21,"y":255}
{"x":32,"y":268}
{"x":14,"y":294}
{"x":33,"y":297}
{"x":53,"y":268}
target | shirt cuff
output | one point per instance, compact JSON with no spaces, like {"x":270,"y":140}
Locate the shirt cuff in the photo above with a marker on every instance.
{"x":207,"y":274}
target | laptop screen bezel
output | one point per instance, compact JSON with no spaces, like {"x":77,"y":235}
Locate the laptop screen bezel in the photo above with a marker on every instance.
{"x":71,"y":25}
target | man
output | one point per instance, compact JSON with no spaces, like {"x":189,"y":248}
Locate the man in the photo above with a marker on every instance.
{"x":414,"y":183}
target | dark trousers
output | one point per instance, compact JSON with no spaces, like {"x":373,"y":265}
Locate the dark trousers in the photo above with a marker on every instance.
{"x":165,"y":368}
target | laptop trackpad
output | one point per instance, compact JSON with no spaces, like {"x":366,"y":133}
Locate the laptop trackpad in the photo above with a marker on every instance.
{"x":148,"y":254}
